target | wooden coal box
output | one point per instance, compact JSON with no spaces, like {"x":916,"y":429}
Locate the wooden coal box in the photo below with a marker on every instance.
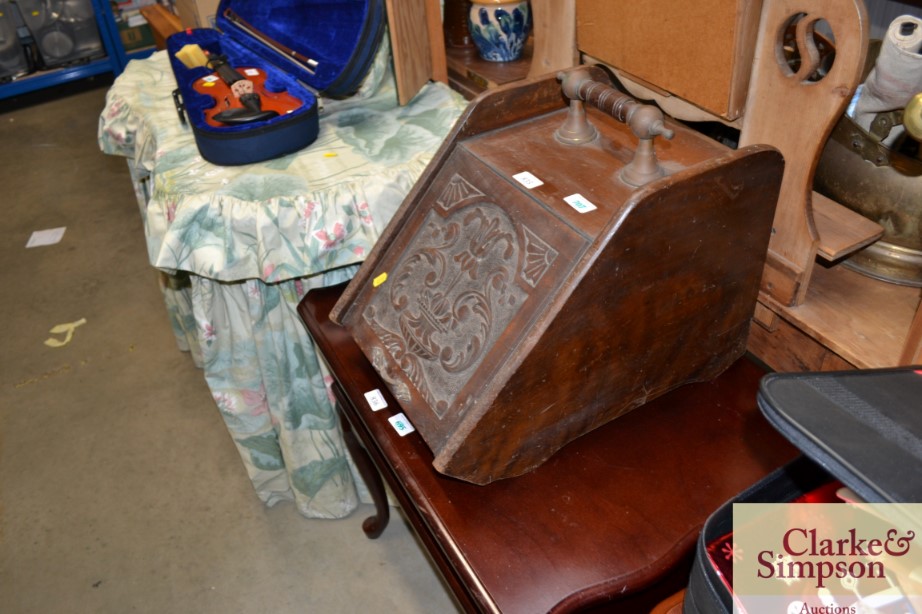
{"x":525,"y":293}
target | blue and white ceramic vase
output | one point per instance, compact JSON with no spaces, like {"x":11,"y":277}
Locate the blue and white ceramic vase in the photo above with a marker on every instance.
{"x":499,"y":28}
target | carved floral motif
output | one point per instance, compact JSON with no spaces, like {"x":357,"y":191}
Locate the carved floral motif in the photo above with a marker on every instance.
{"x":457,"y":191}
{"x":456,"y":289}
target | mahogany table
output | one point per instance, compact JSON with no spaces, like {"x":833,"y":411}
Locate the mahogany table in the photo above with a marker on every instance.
{"x":610,"y":521}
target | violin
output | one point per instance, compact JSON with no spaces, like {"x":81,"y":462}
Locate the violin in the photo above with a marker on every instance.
{"x":241,"y":96}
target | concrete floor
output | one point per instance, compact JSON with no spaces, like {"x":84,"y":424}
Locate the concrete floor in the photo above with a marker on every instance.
{"x":120,"y":489}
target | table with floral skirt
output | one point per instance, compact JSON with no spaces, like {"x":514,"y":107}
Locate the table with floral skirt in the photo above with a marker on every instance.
{"x":238,"y":247}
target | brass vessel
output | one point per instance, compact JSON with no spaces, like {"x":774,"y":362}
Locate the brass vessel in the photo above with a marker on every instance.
{"x":882,"y":184}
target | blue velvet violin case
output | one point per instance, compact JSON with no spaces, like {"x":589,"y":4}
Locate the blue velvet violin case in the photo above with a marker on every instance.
{"x":248,"y":89}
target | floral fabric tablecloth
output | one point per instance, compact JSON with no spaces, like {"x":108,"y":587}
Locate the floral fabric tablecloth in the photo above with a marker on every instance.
{"x":239,"y":247}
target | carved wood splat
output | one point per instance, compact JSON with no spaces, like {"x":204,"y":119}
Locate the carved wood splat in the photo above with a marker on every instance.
{"x":793,"y":107}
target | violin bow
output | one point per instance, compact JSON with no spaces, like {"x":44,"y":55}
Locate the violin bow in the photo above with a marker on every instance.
{"x":309,"y":64}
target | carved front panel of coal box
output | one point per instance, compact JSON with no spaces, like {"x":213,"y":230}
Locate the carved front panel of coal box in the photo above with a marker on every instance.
{"x":551,"y":271}
{"x":459,"y":298}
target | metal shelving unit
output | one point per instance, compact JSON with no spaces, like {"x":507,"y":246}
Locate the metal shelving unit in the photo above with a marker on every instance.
{"x":114,"y":61}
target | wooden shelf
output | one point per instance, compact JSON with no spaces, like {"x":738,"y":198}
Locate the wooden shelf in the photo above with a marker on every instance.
{"x":864,"y":321}
{"x":469,"y":74}
{"x":841,"y":231}
{"x":551,"y":47}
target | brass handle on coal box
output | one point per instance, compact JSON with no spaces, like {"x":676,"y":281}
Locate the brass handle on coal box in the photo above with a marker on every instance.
{"x":645,"y":121}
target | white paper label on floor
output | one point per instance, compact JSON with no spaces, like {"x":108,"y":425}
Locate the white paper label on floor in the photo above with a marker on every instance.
{"x":528,"y":180}
{"x":401,"y":424}
{"x":46,"y":237}
{"x":579,"y":202}
{"x":375,"y":400}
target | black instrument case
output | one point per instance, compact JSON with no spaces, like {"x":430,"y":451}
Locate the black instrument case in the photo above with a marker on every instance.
{"x":861,"y":434}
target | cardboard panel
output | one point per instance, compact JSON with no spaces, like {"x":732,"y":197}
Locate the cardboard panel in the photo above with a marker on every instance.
{"x":699,"y":51}
{"x":197,"y":13}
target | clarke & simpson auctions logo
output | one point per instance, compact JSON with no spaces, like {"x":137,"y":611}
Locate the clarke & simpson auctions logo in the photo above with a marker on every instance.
{"x":826,"y":558}
{"x":806,"y":554}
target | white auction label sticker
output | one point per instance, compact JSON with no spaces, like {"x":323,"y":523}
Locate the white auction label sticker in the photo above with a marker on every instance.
{"x":251,"y":72}
{"x":375,"y":400}
{"x":528,"y":180}
{"x":401,"y":424}
{"x":580,"y":203}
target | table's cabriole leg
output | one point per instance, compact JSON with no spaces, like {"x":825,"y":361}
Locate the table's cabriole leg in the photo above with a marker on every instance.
{"x":373,"y":526}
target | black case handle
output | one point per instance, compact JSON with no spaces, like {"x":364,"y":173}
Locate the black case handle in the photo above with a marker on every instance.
{"x":180,"y":107}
